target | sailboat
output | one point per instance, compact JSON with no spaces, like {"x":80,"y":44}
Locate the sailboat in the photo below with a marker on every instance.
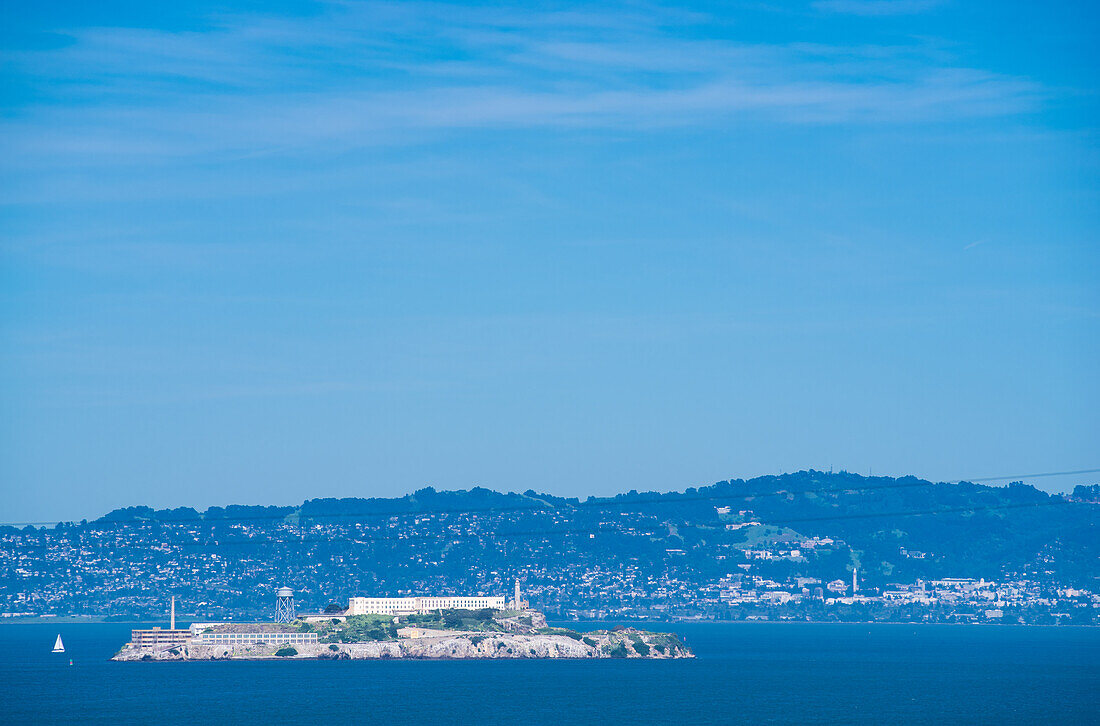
{"x":58,"y":646}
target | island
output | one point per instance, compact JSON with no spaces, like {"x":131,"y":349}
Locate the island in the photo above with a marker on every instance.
{"x":442,"y":635}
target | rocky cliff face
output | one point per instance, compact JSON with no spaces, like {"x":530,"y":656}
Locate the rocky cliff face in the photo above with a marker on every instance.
{"x":628,"y":643}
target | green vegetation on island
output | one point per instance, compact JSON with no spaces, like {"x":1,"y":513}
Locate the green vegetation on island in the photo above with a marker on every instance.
{"x":369,"y":628}
{"x":355,"y":629}
{"x":484,"y":619}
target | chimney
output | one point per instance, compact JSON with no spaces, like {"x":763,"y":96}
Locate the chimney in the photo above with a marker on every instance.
{"x":173,"y":624}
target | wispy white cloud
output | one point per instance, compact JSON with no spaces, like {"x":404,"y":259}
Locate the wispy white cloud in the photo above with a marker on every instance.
{"x":355,"y":119}
{"x":383,"y":74}
{"x":876,"y":7}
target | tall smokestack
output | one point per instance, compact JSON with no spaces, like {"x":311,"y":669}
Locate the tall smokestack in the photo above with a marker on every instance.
{"x":173,"y":624}
{"x":855,"y":585}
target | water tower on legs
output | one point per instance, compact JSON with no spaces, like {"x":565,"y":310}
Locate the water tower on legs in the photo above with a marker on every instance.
{"x":284,"y":605}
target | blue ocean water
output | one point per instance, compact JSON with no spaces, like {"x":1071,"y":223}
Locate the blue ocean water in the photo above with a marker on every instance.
{"x":775,"y":673}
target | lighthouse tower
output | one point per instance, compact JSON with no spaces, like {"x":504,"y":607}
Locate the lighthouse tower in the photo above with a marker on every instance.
{"x":518,"y":603}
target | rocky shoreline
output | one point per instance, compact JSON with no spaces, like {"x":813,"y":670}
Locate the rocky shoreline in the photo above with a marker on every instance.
{"x":619,"y":643}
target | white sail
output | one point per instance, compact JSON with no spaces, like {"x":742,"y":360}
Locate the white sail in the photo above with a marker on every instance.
{"x":58,"y":646}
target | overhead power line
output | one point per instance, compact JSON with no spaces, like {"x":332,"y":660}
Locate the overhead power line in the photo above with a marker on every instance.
{"x":1015,"y":477}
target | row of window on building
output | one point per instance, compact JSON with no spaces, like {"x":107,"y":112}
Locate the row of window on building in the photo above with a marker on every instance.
{"x":404,"y":605}
{"x":243,"y":638}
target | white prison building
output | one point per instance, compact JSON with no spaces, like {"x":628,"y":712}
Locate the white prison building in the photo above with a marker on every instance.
{"x":410,"y":605}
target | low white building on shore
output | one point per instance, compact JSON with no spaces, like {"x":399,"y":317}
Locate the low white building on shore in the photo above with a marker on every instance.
{"x":251,"y":638}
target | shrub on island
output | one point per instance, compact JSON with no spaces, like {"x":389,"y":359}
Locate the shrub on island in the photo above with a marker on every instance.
{"x":616,"y":651}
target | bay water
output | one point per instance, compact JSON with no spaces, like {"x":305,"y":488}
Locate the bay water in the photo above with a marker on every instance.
{"x":773,"y":673}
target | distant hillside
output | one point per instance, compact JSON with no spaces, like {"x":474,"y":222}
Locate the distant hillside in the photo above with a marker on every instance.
{"x":971,"y":528}
{"x":638,"y":552}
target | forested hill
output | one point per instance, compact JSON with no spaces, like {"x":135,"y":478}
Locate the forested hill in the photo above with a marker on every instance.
{"x":638,"y":548}
{"x":971,"y":527}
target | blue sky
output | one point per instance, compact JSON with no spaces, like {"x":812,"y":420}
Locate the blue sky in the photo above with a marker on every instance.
{"x":261,"y":252}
